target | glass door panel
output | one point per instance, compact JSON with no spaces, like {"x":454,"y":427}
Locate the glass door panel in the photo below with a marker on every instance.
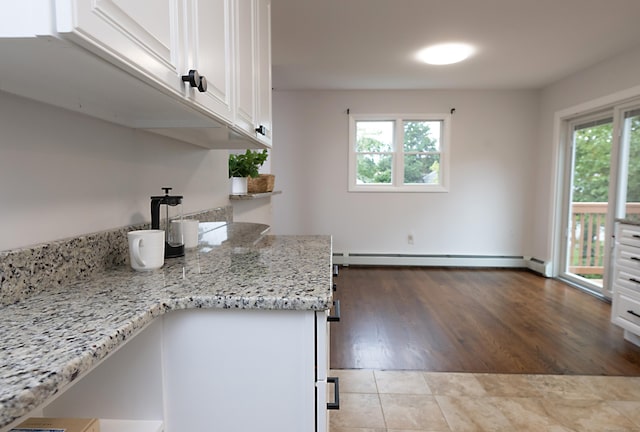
{"x":630,"y":166}
{"x":588,"y":203}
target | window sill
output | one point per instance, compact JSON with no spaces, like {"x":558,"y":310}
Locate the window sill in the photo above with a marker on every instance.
{"x":399,"y":189}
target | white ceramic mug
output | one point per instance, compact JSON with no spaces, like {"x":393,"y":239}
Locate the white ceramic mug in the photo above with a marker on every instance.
{"x":146,"y":249}
{"x":188,"y":229}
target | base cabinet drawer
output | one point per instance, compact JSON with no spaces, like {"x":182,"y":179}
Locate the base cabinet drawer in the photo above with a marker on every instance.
{"x":627,"y":279}
{"x":628,"y":235}
{"x":626,"y":310}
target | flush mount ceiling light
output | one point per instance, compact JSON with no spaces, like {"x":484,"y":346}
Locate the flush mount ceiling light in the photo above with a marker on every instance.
{"x":446,"y":53}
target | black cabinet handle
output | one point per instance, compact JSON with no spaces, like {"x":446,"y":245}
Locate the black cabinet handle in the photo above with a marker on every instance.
{"x":335,"y":287}
{"x":261,"y":130}
{"x":335,"y":405}
{"x":633,"y":313}
{"x":202,"y":86}
{"x":634,"y":258}
{"x":196,"y":80}
{"x":336,"y":317}
{"x":634,"y":280}
{"x":635,"y":235}
{"x":335,"y":270}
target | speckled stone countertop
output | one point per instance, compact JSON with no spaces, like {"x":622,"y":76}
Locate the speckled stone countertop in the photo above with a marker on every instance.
{"x":630,"y":221}
{"x":53,"y":337}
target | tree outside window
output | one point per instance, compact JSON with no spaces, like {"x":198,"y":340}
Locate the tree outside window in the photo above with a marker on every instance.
{"x":398,"y":153}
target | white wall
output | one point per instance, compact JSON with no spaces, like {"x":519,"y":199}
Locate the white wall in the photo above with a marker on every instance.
{"x":486,"y":212}
{"x":63,"y":174}
{"x":614,"y":75}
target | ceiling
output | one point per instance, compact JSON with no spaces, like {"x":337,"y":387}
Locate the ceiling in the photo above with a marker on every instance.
{"x":369,"y":44}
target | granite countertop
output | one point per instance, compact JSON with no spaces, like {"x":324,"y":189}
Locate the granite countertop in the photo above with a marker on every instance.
{"x":630,"y":220}
{"x":53,"y":337}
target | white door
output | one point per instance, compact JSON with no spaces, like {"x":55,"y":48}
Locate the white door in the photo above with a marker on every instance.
{"x":239,"y":370}
{"x":246,"y":65}
{"x":628,"y":190}
{"x":263,"y":120}
{"x":209,"y":51}
{"x":142,"y":36}
{"x":587,"y":212}
{"x":602,"y":185}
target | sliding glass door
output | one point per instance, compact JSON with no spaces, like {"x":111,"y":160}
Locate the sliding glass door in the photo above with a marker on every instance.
{"x":587,"y":201}
{"x":629,"y":178}
{"x":602,"y":184}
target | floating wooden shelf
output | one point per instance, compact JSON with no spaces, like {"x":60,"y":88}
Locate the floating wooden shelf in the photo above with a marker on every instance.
{"x":254,"y":196}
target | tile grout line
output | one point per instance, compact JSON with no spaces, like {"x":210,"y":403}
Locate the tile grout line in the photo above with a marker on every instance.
{"x":384,"y":419}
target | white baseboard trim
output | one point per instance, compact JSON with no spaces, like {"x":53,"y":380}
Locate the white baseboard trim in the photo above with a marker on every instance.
{"x":496,"y":261}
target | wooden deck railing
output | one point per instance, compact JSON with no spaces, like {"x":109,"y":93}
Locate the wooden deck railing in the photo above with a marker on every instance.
{"x":587,"y":236}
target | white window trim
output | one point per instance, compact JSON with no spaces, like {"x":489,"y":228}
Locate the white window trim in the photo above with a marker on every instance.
{"x":398,"y":166}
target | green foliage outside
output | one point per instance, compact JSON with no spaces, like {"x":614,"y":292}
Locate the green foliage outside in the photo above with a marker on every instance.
{"x":592,"y":162}
{"x":374,"y":161}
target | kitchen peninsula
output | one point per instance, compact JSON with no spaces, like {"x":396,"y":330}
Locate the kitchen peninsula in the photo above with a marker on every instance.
{"x":237,"y":323}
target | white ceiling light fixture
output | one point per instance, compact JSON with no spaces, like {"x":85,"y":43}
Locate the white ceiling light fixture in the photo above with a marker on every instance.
{"x":445,"y":53}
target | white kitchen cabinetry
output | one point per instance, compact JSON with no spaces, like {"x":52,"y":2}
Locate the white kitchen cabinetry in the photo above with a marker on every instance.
{"x":246,"y":370}
{"x":264,"y":111}
{"x":143,"y":36}
{"x":124,"y":62}
{"x":210,"y":369}
{"x":253,"y":65}
{"x":161,"y":41}
{"x":625,"y":311}
{"x":209,"y":51}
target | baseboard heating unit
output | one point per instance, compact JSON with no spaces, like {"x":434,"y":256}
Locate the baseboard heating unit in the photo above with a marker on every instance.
{"x":491,"y":261}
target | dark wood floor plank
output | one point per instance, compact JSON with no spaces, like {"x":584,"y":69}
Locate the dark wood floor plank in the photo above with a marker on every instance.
{"x":468,"y":320}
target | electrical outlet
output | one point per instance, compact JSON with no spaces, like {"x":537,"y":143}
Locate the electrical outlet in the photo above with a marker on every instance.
{"x":410,"y":239}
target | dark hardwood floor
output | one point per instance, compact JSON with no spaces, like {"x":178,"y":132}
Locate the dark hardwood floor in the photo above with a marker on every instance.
{"x":468,"y":320}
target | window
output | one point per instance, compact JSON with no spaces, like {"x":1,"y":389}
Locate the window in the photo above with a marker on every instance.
{"x":398,"y":153}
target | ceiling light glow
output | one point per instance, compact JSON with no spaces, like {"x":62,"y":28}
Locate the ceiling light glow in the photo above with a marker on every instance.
{"x":446,"y":53}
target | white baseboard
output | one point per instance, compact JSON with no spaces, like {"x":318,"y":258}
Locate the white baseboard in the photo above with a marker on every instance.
{"x":343,"y":258}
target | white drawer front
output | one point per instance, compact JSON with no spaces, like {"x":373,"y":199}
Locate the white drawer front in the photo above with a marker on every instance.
{"x":626,"y":279}
{"x":626,"y":310}
{"x":628,"y":235}
{"x":628,"y":257}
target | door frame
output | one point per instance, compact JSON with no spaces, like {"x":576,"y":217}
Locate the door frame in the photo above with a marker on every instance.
{"x":566,"y":193}
{"x":614,"y":101}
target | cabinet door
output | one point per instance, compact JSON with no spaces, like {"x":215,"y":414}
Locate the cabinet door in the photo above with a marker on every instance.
{"x":239,"y":370}
{"x":264,"y":72}
{"x":141,"y":36}
{"x":209,"y":51}
{"x":246,"y":65}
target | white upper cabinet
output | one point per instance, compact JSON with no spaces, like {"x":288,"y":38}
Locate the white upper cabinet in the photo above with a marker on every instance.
{"x":143,"y":36}
{"x":140,"y":64}
{"x":209,"y":51}
{"x":253,"y":63}
{"x":264,"y":89}
{"x":246,"y":64}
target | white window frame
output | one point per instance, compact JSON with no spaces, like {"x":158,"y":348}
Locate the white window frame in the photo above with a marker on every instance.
{"x":398,"y":184}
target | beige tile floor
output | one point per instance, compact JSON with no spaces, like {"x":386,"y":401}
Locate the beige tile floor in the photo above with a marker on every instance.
{"x":403,"y":401}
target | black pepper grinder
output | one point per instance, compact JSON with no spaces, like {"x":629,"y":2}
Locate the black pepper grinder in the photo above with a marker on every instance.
{"x":168,"y":218}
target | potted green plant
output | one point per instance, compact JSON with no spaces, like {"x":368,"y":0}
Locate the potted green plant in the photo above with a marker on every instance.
{"x":242,"y":166}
